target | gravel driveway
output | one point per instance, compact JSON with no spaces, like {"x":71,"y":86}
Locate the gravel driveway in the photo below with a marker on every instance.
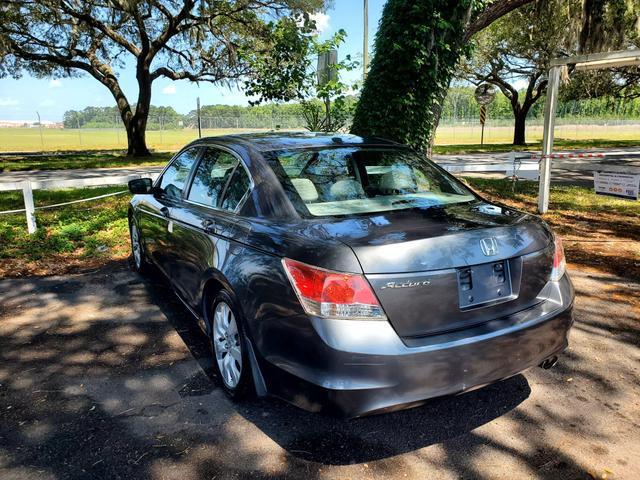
{"x":103,"y":375}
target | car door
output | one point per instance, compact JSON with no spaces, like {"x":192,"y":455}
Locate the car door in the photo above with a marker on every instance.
{"x":155,"y":219}
{"x":205,"y":221}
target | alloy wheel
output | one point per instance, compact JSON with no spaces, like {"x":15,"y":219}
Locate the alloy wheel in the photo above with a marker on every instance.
{"x":135,"y":246}
{"x":226,"y":343}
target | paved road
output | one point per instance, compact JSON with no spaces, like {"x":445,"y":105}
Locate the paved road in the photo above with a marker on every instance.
{"x":103,"y":375}
{"x":560,"y":176}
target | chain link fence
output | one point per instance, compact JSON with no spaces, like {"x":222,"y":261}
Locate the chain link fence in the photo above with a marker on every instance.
{"x":172,"y":132}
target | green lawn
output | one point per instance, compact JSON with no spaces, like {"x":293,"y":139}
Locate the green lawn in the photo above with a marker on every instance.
{"x":453,"y":138}
{"x":29,"y":140}
{"x":565,"y":198}
{"x":83,"y":233}
{"x":89,"y":234}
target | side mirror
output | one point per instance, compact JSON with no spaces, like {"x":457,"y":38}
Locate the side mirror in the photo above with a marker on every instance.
{"x":140,"y":185}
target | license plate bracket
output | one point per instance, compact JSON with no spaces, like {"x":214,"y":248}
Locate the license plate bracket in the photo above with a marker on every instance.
{"x":487,"y":283}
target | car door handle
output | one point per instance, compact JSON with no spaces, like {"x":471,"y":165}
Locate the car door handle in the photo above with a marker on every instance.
{"x":208,"y":225}
{"x":165,"y":211}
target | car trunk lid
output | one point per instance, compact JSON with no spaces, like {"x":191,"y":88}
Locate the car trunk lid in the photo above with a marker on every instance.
{"x":453,"y":268}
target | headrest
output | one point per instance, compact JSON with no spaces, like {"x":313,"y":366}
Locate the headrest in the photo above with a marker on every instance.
{"x":306,"y":189}
{"x":346,"y":189}
{"x":398,"y":180}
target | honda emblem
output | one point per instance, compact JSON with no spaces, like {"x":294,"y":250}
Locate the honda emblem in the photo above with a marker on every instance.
{"x":489,"y":246}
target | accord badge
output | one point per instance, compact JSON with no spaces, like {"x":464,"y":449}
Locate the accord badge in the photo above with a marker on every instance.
{"x":407,"y":284}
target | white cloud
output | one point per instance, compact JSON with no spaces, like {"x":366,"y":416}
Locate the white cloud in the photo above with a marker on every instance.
{"x":8,"y":102}
{"x":169,"y":90}
{"x":47,"y":103}
{"x":55,"y":83}
{"x":322,"y":21}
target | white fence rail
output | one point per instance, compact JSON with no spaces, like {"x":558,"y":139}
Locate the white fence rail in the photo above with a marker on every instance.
{"x":28,"y":186}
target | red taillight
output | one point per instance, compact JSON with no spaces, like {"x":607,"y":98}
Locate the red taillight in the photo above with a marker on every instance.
{"x":332,"y":294}
{"x":559,"y":261}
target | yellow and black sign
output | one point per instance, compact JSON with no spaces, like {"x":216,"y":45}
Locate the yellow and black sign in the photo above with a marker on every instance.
{"x":483,"y":114}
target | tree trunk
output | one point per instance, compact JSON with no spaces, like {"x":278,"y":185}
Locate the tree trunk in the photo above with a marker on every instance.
{"x":136,"y":137}
{"x":519,"y":128}
{"x":415,"y":59}
{"x":137,"y":127}
{"x":417,"y":47}
{"x":436,"y":112}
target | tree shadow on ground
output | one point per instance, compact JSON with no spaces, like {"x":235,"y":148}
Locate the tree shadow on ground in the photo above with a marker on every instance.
{"x":98,"y":380}
{"x":329,"y":440}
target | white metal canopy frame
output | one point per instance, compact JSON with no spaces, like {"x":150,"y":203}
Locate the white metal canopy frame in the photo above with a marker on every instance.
{"x":593,"y":61}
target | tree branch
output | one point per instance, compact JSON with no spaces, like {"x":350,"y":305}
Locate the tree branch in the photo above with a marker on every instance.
{"x":105,"y":29}
{"x":491,"y":13}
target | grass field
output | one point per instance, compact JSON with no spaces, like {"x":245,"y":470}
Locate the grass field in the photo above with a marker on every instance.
{"x":598,"y":231}
{"x":29,"y":140}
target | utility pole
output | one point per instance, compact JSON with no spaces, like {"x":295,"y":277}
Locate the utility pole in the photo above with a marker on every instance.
{"x":40,"y":128}
{"x":365,"y":47}
{"x":199,"y":122}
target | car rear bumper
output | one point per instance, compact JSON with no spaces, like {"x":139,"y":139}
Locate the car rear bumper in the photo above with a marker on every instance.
{"x":359,"y":368}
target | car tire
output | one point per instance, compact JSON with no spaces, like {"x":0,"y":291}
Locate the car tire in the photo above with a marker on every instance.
{"x":229,"y":347}
{"x":138,"y":257}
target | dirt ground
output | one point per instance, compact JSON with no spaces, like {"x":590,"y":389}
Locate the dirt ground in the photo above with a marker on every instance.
{"x":104,"y":375}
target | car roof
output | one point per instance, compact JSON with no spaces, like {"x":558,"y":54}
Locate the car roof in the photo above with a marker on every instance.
{"x":277,"y":140}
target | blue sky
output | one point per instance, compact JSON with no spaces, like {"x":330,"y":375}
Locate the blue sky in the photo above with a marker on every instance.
{"x":20,"y":99}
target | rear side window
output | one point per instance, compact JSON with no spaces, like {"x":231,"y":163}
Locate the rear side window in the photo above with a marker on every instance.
{"x":176,"y":175}
{"x":211,"y":177}
{"x":237,"y":189}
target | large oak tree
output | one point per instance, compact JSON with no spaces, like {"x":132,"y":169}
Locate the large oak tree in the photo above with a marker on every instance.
{"x":417,"y":48}
{"x":420,"y":42}
{"x":514,"y":54}
{"x":203,"y":41}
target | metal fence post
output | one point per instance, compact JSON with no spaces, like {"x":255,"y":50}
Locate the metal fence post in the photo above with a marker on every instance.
{"x":29,"y":209}
{"x":547,"y":139}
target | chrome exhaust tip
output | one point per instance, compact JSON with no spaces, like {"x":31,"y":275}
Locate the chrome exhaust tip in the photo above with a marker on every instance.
{"x":549,"y":362}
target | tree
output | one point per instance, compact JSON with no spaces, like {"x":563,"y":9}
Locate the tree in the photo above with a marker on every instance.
{"x":516,"y":50}
{"x":417,"y":47}
{"x":324,"y":104}
{"x":419,"y":43}
{"x":607,"y":25}
{"x":213,"y":41}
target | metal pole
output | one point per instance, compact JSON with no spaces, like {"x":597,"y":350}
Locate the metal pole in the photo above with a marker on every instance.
{"x":40,"y":128}
{"x":547,"y":139}
{"x":117,"y":130}
{"x":199,"y":124}
{"x":79,"y":132}
{"x":29,"y":209}
{"x":365,"y":47}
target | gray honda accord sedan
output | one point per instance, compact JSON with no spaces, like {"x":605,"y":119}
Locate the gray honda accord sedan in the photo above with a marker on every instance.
{"x":348,"y":274}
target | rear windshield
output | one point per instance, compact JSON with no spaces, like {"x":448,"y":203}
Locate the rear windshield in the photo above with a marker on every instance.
{"x":357,"y":180}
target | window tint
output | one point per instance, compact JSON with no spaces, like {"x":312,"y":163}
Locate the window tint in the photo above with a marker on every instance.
{"x":176,"y":175}
{"x":212,"y":175}
{"x":237,"y":188}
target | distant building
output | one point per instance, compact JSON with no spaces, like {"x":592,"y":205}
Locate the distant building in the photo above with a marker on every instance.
{"x":29,"y":124}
